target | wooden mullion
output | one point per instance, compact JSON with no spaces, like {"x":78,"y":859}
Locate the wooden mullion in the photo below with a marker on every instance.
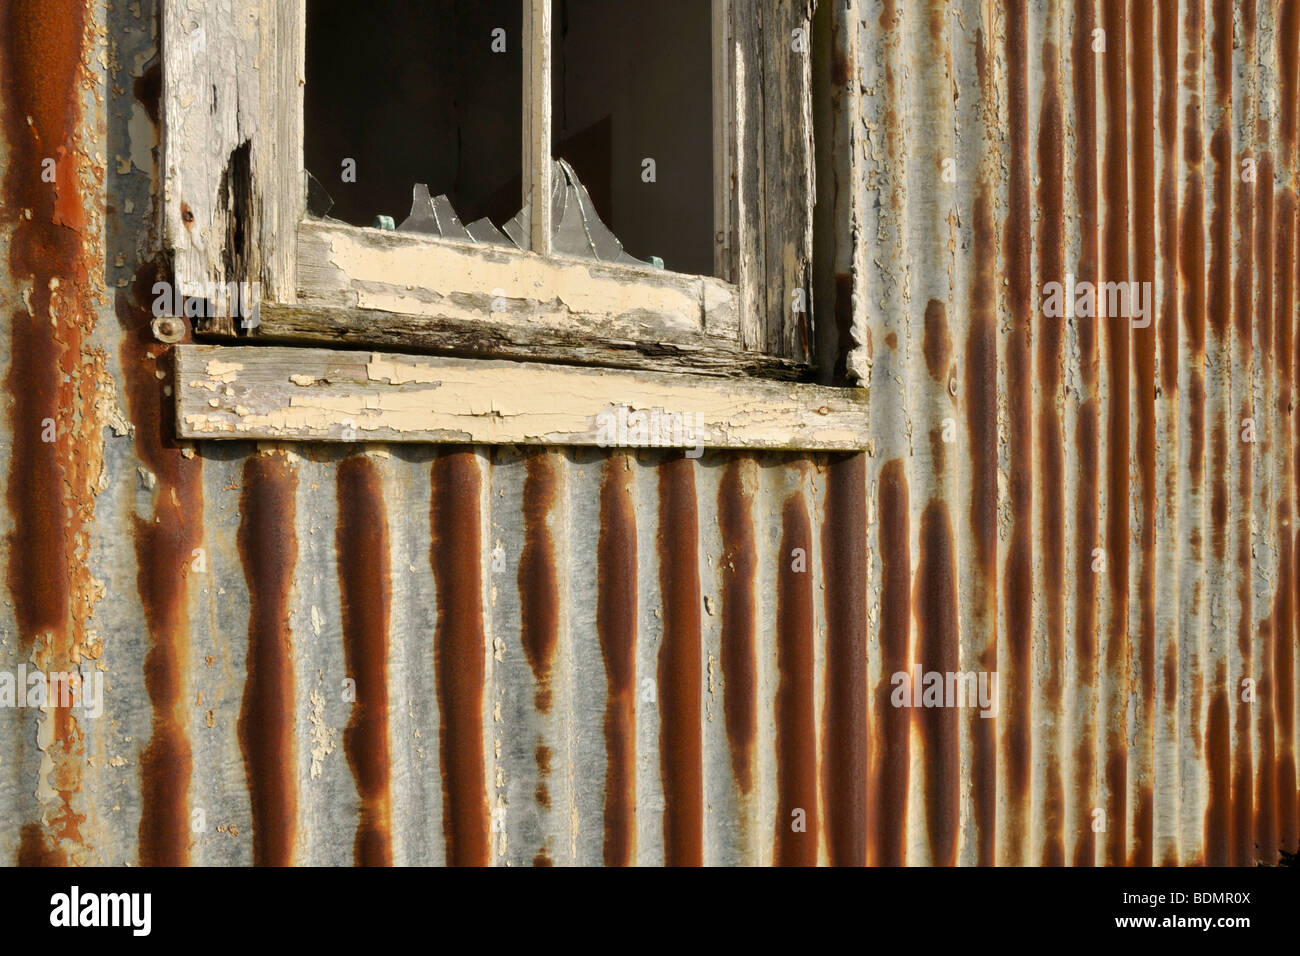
{"x":537,"y":173}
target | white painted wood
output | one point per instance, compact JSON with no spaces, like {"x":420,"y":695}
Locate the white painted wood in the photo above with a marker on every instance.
{"x":269,"y":393}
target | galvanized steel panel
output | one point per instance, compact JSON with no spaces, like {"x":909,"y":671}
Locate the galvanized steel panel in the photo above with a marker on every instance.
{"x":573,"y":656}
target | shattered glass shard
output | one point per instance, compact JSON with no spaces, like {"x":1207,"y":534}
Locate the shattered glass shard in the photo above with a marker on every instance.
{"x":519,"y":228}
{"x":319,"y":202}
{"x":577,"y":229}
{"x":434,"y":216}
{"x":482,"y":230}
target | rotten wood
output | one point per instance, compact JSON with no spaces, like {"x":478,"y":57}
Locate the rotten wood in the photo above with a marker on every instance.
{"x":233,"y":73}
{"x":482,"y":338}
{"x":724,"y":157}
{"x":233,"y":193}
{"x":269,"y":393}
{"x":415,"y":274}
{"x":789,"y":188}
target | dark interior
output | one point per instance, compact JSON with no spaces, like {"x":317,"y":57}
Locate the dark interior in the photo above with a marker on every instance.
{"x":415,"y":93}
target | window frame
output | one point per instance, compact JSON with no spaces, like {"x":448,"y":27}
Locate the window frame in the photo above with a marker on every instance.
{"x":234,"y":211}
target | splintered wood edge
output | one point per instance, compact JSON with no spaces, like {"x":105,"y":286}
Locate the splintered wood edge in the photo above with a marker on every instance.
{"x":302,"y":394}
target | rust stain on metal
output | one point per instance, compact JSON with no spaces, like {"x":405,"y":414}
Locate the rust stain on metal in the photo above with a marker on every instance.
{"x":890,"y":757}
{"x":616,"y":609}
{"x":679,"y":679}
{"x":268,"y":548}
{"x":165,"y":543}
{"x":845,"y":753}
{"x":937,"y":342}
{"x":54,"y":382}
{"x":538,"y":593}
{"x":458,"y":644}
{"x":795,"y":842}
{"x":935,"y":600}
{"x":1018,"y":569}
{"x":1288,"y":544}
{"x":738,"y":563}
{"x":365,"y":590}
{"x":1143,"y":225}
{"x":1114,"y":688}
{"x":981,"y":400}
{"x":1051,"y":454}
{"x":1086,"y":441}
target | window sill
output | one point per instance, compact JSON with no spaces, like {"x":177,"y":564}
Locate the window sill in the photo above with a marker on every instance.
{"x":307,"y":394}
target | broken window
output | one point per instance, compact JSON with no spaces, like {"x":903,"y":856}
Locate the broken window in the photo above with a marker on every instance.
{"x":416,"y":119}
{"x":400,"y":93}
{"x":421,"y":177}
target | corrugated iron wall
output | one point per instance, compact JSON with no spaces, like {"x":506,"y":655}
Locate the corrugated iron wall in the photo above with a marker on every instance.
{"x":573,"y":656}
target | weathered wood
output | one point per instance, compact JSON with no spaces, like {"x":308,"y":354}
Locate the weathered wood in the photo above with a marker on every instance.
{"x":789,"y":184}
{"x":369,"y":328}
{"x":413,"y":274}
{"x":268,"y":393}
{"x":724,"y":157}
{"x":232,"y":143}
{"x":537,"y":169}
{"x":233,"y":192}
{"x":839,"y":255}
{"x":749,"y":159}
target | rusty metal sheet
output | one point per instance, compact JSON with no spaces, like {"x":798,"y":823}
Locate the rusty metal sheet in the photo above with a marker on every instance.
{"x":413,"y":655}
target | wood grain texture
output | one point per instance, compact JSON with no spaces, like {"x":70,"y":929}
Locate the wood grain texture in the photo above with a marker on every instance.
{"x":233,"y":73}
{"x":698,"y":353}
{"x":345,"y":266}
{"x":537,"y":167}
{"x":234,"y":199}
{"x":269,"y":393}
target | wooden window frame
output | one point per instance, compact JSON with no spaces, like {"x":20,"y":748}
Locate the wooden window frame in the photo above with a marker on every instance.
{"x":234,"y":211}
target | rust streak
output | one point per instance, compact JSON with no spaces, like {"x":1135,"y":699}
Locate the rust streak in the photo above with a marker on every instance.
{"x":365,"y":589}
{"x":1018,"y":570}
{"x":458,"y":653}
{"x":738,"y":564}
{"x":616,"y":607}
{"x":1085,"y":442}
{"x":680,"y":744}
{"x":50,"y":379}
{"x":935,"y":601}
{"x":796,"y":733}
{"x":887,"y":796}
{"x":538,"y":592}
{"x":1051,"y":472}
{"x":268,"y":548}
{"x":845,"y":753}
{"x":1144,"y":374}
{"x":164,"y":553}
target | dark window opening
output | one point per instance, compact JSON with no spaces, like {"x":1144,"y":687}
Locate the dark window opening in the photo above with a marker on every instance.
{"x":414,"y":93}
{"x":414,"y":120}
{"x":634,"y":81}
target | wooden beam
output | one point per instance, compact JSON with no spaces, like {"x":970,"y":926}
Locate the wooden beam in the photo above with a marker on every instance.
{"x":232,"y":191}
{"x":335,"y":327}
{"x":537,"y":172}
{"x":268,"y":393}
{"x":724,"y":163}
{"x":345,"y":266}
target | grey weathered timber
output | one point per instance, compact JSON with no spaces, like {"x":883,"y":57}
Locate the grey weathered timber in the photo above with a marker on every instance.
{"x":407,"y":273}
{"x":233,"y":187}
{"x":699,"y":354}
{"x":234,"y":182}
